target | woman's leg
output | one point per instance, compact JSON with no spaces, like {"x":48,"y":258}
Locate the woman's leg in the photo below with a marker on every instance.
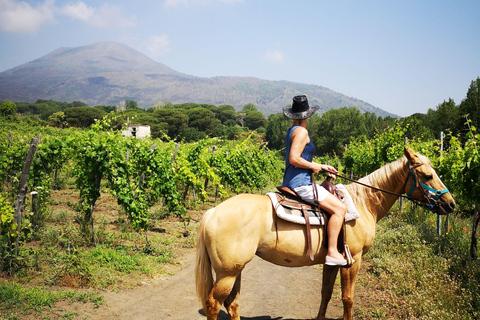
{"x":337,"y":210}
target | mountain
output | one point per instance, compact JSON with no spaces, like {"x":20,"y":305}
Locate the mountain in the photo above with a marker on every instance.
{"x":107,"y":73}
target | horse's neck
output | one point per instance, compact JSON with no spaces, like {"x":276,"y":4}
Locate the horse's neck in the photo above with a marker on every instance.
{"x":389,"y":178}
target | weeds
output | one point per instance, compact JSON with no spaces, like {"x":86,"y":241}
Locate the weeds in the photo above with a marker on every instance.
{"x":420,"y":282}
{"x":16,"y":297}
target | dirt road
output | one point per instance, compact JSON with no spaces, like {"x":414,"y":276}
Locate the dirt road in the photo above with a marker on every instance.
{"x":268,"y":292}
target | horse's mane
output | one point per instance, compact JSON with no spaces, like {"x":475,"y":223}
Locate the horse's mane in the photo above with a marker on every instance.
{"x":388,"y":177}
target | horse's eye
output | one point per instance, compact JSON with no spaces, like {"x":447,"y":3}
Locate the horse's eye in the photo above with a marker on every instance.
{"x":428,"y":177}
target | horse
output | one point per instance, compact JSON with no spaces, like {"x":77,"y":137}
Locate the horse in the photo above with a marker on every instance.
{"x":232,"y":233}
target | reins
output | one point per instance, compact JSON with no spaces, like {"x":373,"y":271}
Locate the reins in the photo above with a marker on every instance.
{"x":416,"y":183}
{"x":369,"y":186}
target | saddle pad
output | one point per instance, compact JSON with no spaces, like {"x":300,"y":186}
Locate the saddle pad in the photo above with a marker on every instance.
{"x":346,"y":198}
{"x":297,"y":216}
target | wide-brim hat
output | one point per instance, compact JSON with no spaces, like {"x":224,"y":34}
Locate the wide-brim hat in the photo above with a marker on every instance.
{"x":300,"y":109}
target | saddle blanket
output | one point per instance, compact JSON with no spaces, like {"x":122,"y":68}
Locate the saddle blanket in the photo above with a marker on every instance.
{"x":315,"y":219}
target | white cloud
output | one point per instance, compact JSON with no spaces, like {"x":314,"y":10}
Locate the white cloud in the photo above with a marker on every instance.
{"x":174,"y":3}
{"x":158,"y":45}
{"x":273,"y":56}
{"x":110,"y":16}
{"x":107,"y":16}
{"x":78,"y":11}
{"x":21,"y":17}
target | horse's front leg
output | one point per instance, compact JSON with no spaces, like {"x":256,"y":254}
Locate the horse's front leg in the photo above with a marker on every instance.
{"x":348,"y":277}
{"x":328,"y":282}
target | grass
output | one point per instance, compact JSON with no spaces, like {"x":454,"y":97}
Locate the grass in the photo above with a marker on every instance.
{"x":18,"y":300}
{"x":411,"y":280}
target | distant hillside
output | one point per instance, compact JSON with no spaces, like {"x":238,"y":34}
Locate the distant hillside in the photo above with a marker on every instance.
{"x":107,"y":73}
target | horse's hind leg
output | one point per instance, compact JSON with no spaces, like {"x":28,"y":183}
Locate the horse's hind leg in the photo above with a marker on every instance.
{"x":231,"y":303}
{"x":328,"y":282}
{"x":219,"y":294}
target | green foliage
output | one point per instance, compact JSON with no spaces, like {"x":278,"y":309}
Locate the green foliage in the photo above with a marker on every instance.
{"x":277,"y":127}
{"x":255,"y":120}
{"x":8,"y":232}
{"x":421,"y":283}
{"x":335,"y":128}
{"x":19,"y":300}
{"x":246,"y":167}
{"x":203,"y":120}
{"x":106,"y":109}
{"x":7,"y":109}
{"x":367,"y":155}
{"x":471,"y":105}
{"x":460,"y":167}
{"x":82,"y":117}
{"x":250,"y":107}
{"x":57,"y":120}
{"x":174,"y":124}
{"x":131,"y":104}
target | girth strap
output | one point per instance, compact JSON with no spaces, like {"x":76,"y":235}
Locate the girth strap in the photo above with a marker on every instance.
{"x":309,"y":236}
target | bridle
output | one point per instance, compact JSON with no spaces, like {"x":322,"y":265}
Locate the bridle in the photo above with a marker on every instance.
{"x":427,"y":192}
{"x":430,"y":194}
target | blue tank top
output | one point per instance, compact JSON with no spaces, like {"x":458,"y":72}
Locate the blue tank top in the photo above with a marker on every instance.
{"x":296,"y":177}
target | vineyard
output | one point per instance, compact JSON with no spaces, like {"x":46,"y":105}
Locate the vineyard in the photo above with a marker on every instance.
{"x":151,"y":179}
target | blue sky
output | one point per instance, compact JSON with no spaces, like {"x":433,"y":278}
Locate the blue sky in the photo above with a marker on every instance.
{"x":401,"y":56}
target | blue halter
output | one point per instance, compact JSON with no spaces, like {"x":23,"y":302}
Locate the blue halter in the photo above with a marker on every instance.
{"x":432,"y":200}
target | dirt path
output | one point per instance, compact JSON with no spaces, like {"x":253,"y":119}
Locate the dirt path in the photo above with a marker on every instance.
{"x":269,"y":292}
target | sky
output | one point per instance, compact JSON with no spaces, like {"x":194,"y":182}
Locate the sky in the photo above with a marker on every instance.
{"x":404,"y":57}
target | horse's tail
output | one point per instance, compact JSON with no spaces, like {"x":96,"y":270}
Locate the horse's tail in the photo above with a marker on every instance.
{"x":203,"y":267}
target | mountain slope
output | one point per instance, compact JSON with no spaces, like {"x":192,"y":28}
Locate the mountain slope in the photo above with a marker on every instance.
{"x":108,"y":73}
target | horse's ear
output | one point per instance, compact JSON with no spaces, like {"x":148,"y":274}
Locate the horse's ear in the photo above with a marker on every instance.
{"x":411,"y":156}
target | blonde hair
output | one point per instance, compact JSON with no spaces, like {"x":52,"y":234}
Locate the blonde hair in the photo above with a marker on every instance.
{"x":298,"y":122}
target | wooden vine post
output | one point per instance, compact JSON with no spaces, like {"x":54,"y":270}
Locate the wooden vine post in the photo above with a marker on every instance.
{"x":22,"y":190}
{"x":476,"y":222}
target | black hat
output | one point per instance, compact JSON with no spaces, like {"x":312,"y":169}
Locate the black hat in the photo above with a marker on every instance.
{"x":300,"y":109}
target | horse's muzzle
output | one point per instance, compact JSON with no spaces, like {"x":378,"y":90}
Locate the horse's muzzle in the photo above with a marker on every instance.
{"x":443,"y":207}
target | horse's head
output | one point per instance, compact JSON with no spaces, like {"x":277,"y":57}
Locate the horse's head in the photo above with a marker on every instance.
{"x":424,"y":185}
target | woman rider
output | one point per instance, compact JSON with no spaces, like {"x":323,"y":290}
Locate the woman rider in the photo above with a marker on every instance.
{"x":298,"y":170}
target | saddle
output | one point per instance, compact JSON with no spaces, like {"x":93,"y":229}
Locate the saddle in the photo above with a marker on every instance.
{"x":293,"y":203}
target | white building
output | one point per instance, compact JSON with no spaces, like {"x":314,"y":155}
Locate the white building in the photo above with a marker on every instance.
{"x":137,"y":131}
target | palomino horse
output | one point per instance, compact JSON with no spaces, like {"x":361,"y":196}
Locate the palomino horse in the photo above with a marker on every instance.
{"x":245,"y":225}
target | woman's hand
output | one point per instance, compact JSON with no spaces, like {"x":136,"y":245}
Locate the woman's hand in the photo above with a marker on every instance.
{"x":332,"y":172}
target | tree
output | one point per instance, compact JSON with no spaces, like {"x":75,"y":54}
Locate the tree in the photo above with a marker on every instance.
{"x":76,"y":104}
{"x":173,"y":121}
{"x":277,"y":128}
{"x":240,"y":118}
{"x":157,"y":106}
{"x":8,"y":109}
{"x":471,"y":105}
{"x":226,"y":112}
{"x":82,"y":117}
{"x":249,"y":107}
{"x":131,"y":104}
{"x":335,"y":129}
{"x":203,"y":120}
{"x":254,"y":120}
{"x":57,"y":120}
{"x":234,"y":132}
{"x":106,"y":109}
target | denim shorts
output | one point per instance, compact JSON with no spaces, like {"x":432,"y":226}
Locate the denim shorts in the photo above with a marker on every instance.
{"x":306,"y":193}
